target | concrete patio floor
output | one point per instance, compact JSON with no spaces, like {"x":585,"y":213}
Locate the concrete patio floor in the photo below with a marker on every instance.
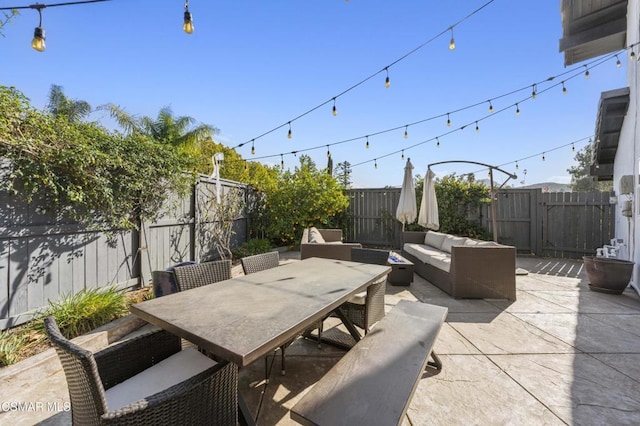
{"x":560,"y":354}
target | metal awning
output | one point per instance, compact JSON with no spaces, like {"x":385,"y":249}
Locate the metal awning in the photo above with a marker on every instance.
{"x":592,"y":28}
{"x":612,"y":109}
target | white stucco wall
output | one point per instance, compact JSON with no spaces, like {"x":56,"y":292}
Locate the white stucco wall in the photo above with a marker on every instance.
{"x":627,"y":159}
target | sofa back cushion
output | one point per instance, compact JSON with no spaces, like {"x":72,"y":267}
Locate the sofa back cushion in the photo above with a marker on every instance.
{"x":434,"y":239}
{"x":315,"y":236}
{"x":450,"y":240}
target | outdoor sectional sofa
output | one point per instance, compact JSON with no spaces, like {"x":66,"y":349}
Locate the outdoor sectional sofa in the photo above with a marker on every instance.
{"x":463,"y":267}
{"x":326,"y":243}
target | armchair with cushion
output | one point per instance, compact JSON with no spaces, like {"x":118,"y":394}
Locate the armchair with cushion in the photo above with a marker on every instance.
{"x":146,"y":380}
{"x":326,"y":243}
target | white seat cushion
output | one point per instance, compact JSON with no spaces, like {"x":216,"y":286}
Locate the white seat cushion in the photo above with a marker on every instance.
{"x":450,"y":241}
{"x":421,"y":251}
{"x":361,"y":298}
{"x":315,"y":236}
{"x":171,"y":371}
{"x":434,"y":239}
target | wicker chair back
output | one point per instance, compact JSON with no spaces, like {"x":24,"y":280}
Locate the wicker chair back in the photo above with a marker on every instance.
{"x":260,"y":262}
{"x":192,"y":276}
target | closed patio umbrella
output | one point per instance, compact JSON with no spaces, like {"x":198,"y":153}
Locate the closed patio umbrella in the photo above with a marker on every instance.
{"x":428,"y":216}
{"x":407,"y":210}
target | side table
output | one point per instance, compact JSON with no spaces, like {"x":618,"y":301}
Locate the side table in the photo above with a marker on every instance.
{"x":401,"y":270}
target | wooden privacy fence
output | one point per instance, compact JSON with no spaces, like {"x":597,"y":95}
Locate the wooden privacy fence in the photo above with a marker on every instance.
{"x":43,"y":258}
{"x":554,"y":224}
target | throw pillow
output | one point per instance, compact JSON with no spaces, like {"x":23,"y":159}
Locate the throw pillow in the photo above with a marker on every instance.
{"x":450,"y":241}
{"x":315,"y":236}
{"x":434,"y":239}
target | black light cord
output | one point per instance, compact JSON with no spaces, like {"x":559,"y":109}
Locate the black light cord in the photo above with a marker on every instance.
{"x":39,"y":6}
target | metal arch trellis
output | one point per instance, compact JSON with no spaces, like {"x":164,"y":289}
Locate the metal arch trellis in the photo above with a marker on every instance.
{"x":494,"y":191}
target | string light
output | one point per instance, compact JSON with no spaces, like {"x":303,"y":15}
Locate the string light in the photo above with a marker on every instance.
{"x":289,"y":134}
{"x":367,"y":145}
{"x":452,"y":43}
{"x":437,"y":142}
{"x":618,"y":63}
{"x":517,"y":167}
{"x":573,"y":147}
{"x":406,"y":132}
{"x":375,"y":163}
{"x":448,"y":120}
{"x":188,"y":19}
{"x":328,"y":152}
{"x":402,"y":154}
{"x":281,"y":161}
{"x":543,"y":157}
{"x":387,"y":82}
{"x":534,"y":90}
{"x":633,"y":54}
{"x":477,"y":128}
{"x":517,"y":109}
{"x":335,"y":110}
{"x":38,"y":34}
{"x":253,"y":148}
{"x":564,"y":89}
{"x":586,"y":73}
{"x":490,"y":106}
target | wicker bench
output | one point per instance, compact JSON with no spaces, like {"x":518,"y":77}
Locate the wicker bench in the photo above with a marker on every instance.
{"x":374,"y":382}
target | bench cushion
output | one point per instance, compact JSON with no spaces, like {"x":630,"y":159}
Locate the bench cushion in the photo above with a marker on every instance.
{"x":434,"y":239}
{"x":375,"y":381}
{"x":169,"y":372}
{"x":450,"y":241}
{"x":315,"y":236}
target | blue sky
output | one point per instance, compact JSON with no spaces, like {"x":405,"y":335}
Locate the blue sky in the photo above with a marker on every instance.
{"x":252,"y":66}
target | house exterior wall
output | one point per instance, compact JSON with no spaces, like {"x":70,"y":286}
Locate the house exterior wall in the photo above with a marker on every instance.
{"x":627,"y":161}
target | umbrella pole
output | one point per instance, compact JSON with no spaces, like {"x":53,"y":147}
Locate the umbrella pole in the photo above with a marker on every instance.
{"x":493,"y":208}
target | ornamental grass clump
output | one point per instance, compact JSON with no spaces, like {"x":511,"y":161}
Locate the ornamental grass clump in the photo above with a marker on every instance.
{"x":75,"y":314}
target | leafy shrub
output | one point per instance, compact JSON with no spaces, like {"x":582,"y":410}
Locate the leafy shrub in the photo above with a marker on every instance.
{"x":253,"y":246}
{"x":10,"y":346}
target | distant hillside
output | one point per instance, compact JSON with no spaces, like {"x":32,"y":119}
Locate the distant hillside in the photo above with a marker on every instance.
{"x":545,"y":186}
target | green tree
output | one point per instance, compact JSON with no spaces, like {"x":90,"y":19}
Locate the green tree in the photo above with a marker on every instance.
{"x":59,"y":105}
{"x":81,"y":170}
{"x":581,"y":179}
{"x":457,"y":198}
{"x":306,"y":197}
{"x":343,"y":173}
{"x":179,"y":131}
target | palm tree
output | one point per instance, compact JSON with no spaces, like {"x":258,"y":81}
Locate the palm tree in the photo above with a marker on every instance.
{"x":165,"y":128}
{"x":59,"y":105}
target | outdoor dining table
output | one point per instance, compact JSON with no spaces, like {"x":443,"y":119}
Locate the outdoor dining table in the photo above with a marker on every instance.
{"x":245,"y":318}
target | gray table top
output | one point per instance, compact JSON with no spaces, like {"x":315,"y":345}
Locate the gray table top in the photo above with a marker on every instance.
{"x":245,"y":318}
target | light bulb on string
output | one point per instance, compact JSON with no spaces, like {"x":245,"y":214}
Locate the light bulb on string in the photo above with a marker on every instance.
{"x":543,"y":157}
{"x":289,"y":134}
{"x":38,"y":34}
{"x":281,"y":161}
{"x":452,"y":42}
{"x":618,"y":63}
{"x":490,"y":106}
{"x":586,"y":73}
{"x":187,"y":27}
{"x":564,"y":88}
{"x":335,"y":110}
{"x":403,"y":154}
{"x":448,"y":120}
{"x":534,"y":91}
{"x":633,"y":54}
{"x":477,"y":127}
{"x":517,"y":167}
{"x":328,"y":152}
{"x":375,"y":163}
{"x":387,"y":82}
{"x":253,"y":148}
{"x":517,"y":109}
{"x":438,"y":142}
{"x":367,"y":145}
{"x":245,"y":165}
{"x":406,"y":132}
{"x":573,"y":147}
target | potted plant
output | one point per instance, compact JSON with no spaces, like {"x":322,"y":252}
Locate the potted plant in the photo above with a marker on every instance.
{"x":608,"y":275}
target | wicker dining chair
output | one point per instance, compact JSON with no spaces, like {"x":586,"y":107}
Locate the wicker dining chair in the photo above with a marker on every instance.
{"x":367,"y":308}
{"x":199,"y":274}
{"x":260,"y":262}
{"x":146,"y":380}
